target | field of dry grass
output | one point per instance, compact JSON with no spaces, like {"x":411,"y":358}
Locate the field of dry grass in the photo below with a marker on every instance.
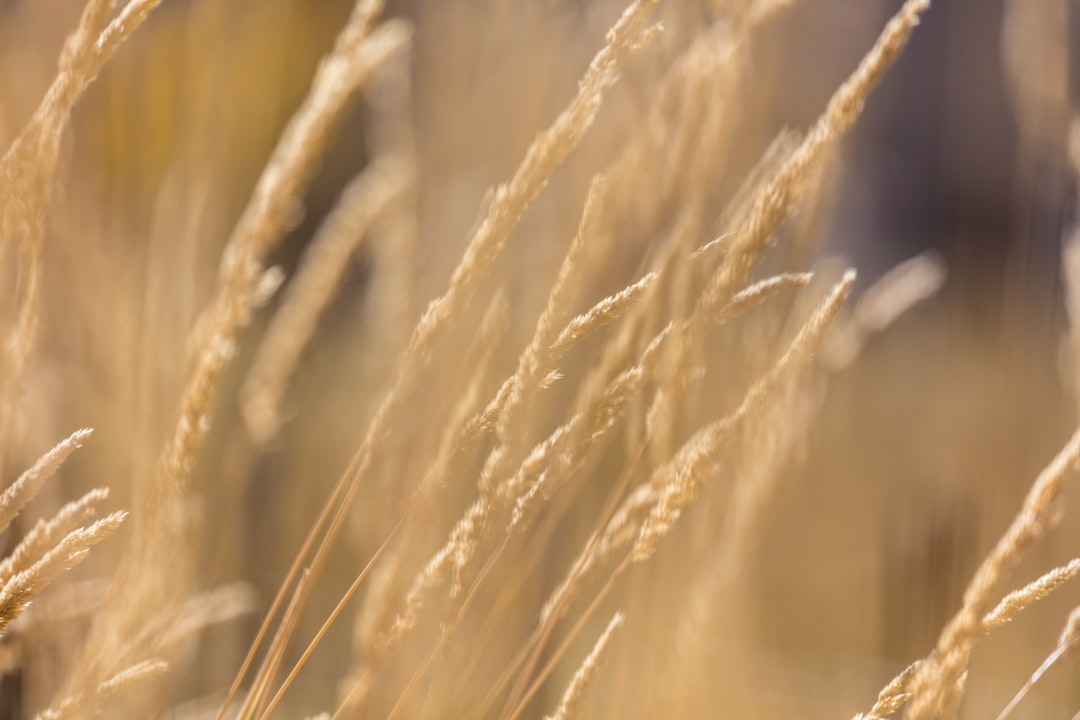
{"x":569,"y":358}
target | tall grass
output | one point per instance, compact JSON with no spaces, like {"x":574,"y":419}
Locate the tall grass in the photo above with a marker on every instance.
{"x":603,"y":453}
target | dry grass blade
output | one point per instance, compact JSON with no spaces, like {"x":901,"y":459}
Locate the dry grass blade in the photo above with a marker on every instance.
{"x":1066,"y":647}
{"x":538,"y":475}
{"x":77,"y":706}
{"x":552,"y":610}
{"x":549,"y":463}
{"x":28,"y":175}
{"x":603,"y":313}
{"x":520,"y":698}
{"x":508,"y":203}
{"x":590,"y":243}
{"x":676,"y":484}
{"x":546,"y":152}
{"x":328,"y":622}
{"x":761,"y":292}
{"x":28,"y":167}
{"x":934,"y":689}
{"x":321,"y":271}
{"x":21,"y":588}
{"x":893,"y":696}
{"x":358,"y":52}
{"x":46,"y":533}
{"x":585,"y":673}
{"x":623,"y":525}
{"x":354,"y":59}
{"x":891,"y":296}
{"x":775,"y":202}
{"x":26,"y":487}
{"x":379,"y":611}
{"x":1018,"y":600}
{"x":534,"y":363}
{"x":679,"y":482}
{"x":259,"y":694}
{"x":1010,"y":606}
{"x":623,"y":356}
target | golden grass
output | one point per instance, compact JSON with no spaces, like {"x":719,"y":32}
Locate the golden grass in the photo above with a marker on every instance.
{"x":937,"y":687}
{"x":605,"y":408}
{"x":585,"y":672}
{"x":312,"y":290}
{"x":27,"y":485}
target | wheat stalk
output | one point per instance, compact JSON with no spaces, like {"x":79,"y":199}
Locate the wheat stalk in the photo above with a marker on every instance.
{"x":82,"y":706}
{"x":1068,"y":642}
{"x":893,"y":696}
{"x":586,"y":671}
{"x":23,"y":585}
{"x":25,"y":488}
{"x":936,"y":689}
{"x":1018,"y":600}
{"x":356,"y":55}
{"x":45,"y":534}
{"x":774,"y":203}
{"x":507,"y":204}
{"x":321,"y":272}
{"x":678,"y":483}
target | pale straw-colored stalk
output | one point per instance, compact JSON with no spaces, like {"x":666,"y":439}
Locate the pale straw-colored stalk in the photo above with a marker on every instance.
{"x":1067,"y":644}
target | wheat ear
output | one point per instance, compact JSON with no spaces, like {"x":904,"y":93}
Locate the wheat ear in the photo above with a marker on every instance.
{"x":935,"y":691}
{"x":25,"y":488}
{"x":507,"y":205}
{"x":78,"y":706}
{"x":775,"y":202}
{"x":893,"y":294}
{"x":546,"y":465}
{"x":1010,"y":606}
{"x":678,"y":483}
{"x":583,"y":678}
{"x":46,"y":533}
{"x":21,"y":588}
{"x":28,"y":175}
{"x":1019,"y":600}
{"x":354,"y":59}
{"x":357,"y":53}
{"x":893,"y":696}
